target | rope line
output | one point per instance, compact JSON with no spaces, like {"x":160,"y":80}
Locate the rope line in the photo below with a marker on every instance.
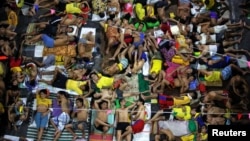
{"x":152,"y":111}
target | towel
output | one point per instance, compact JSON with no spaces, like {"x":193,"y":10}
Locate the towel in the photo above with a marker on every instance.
{"x":143,"y":85}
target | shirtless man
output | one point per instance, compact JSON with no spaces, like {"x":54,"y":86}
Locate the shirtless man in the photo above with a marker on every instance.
{"x":77,"y":74}
{"x":112,"y":95}
{"x":59,"y":122}
{"x":123,"y":127}
{"x":139,"y":117}
{"x":81,"y":115}
{"x":5,"y":48}
{"x":85,"y":45}
{"x":101,"y":121}
{"x":138,"y":64}
{"x":118,"y":67}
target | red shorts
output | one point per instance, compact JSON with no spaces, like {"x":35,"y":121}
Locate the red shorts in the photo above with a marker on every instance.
{"x":138,"y":126}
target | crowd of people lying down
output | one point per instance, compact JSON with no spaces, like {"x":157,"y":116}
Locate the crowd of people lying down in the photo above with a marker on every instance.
{"x":188,"y":48}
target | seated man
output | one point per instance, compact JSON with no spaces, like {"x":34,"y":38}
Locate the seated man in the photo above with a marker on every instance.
{"x":63,"y":119}
{"x":101,"y":120}
{"x":81,"y":115}
{"x":61,"y":81}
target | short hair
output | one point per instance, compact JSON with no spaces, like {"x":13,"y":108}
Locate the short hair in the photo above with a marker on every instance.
{"x":120,"y":100}
{"x":195,"y":95}
{"x":112,"y":16}
{"x":80,"y":100}
{"x":45,"y":91}
{"x":127,"y":16}
{"x":63,"y":93}
{"x":101,"y":14}
{"x":141,"y":100}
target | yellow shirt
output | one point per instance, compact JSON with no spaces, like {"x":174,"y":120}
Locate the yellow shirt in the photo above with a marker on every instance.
{"x":203,"y":136}
{"x":75,"y":86}
{"x":45,"y":101}
{"x":190,"y":137}
{"x":182,"y":41}
{"x":59,"y":60}
{"x":215,"y":76}
{"x":104,"y":81}
{"x":183,"y":101}
{"x":183,"y":112}
{"x":12,"y":18}
{"x":151,"y":11}
{"x":140,"y":11}
{"x":156,"y":66}
{"x":178,"y":60}
{"x":73,"y":8}
{"x":120,"y":66}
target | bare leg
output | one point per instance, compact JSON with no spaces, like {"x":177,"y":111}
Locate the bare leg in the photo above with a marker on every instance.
{"x":156,"y":116}
{"x":40,"y":133}
{"x":234,"y":67}
{"x":34,"y":39}
{"x":127,"y":132}
{"x":110,"y":44}
{"x":230,"y":43}
{"x":130,"y":94}
{"x":123,"y":53}
{"x":69,"y":128}
{"x":100,"y":122}
{"x":130,"y":51}
{"x":153,"y":96}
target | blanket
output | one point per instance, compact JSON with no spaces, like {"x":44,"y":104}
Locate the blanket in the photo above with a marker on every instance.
{"x":67,"y":50}
{"x":143,"y":85}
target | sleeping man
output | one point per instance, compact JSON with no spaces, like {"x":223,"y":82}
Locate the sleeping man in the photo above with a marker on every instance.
{"x":61,"y":81}
{"x":60,"y":121}
{"x":50,"y":42}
